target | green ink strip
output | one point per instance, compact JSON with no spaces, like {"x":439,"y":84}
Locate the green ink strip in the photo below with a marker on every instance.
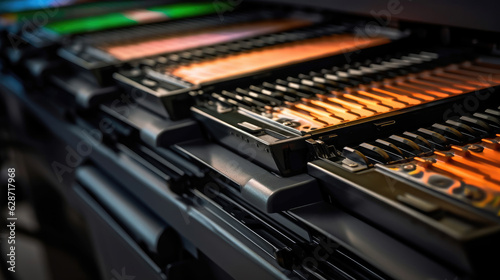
{"x":63,"y":12}
{"x":115,"y":20}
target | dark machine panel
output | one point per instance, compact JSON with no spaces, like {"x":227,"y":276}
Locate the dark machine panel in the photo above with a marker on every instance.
{"x":257,"y":139}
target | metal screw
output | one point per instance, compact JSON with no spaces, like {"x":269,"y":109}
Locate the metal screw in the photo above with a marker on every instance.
{"x":468,"y":193}
{"x":409,"y":167}
{"x":352,"y":164}
{"x":475,"y":148}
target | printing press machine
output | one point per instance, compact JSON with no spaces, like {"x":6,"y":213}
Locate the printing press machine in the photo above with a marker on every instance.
{"x":261,"y":139}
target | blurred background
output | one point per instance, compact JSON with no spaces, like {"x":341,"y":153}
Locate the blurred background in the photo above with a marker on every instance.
{"x":51,"y":242}
{"x":52,"y":238}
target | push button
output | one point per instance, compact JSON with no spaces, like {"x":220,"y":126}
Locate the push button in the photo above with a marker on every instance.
{"x":418,"y":203}
{"x":250,"y":127}
{"x":149,"y":83}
